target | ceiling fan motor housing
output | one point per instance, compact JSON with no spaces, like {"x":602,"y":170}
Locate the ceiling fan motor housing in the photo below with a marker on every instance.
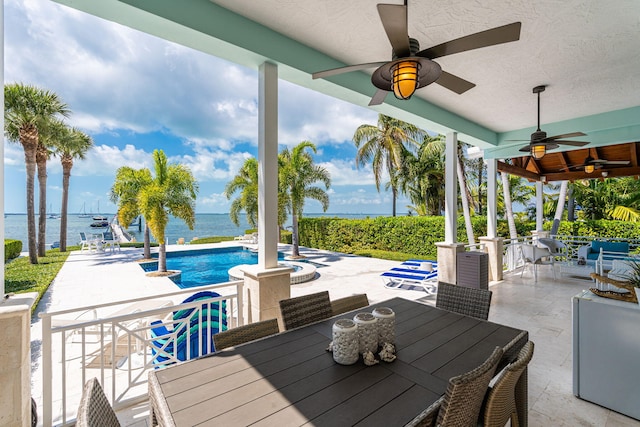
{"x":538,"y":135}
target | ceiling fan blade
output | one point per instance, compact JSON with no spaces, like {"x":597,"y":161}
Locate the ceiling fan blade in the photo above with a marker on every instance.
{"x":394,"y":21}
{"x":378,"y":97}
{"x":504,"y":34}
{"x":573,"y":143}
{"x":616,"y":162}
{"x":454,"y":83}
{"x":347,"y":69}
{"x":567,"y":135}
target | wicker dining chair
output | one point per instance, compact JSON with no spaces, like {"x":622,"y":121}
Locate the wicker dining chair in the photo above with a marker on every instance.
{"x":94,"y":409}
{"x":306,"y":309}
{"x":463,"y":300}
{"x":242,"y":334}
{"x":462,"y":402}
{"x":352,"y":302}
{"x":502,"y":400}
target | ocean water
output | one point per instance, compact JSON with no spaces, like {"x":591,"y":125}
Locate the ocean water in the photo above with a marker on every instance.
{"x":15,"y":227}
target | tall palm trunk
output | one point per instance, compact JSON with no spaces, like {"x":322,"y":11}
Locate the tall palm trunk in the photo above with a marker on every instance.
{"x":513,"y":233}
{"x":41,"y":163}
{"x":67,"y":164}
{"x":162,"y":257}
{"x":295,"y":251}
{"x":571,"y":206}
{"x":394,"y":196}
{"x":462,"y":183}
{"x":29,"y":141}
{"x":147,"y":241}
{"x":560,"y":207}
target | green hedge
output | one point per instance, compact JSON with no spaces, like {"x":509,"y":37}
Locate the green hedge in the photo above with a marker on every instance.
{"x":418,"y":235}
{"x":12,"y":249}
{"x":599,"y":228}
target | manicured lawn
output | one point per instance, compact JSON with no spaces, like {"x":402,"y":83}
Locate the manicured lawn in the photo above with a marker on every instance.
{"x":21,"y":276}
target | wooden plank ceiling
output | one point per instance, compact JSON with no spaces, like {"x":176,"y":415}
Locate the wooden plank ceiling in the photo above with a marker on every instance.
{"x":569,"y":165}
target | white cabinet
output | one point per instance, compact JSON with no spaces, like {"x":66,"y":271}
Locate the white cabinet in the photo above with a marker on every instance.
{"x":606,"y":353}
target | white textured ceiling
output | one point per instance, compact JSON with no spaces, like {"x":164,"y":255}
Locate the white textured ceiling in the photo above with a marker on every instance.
{"x":586,"y":51}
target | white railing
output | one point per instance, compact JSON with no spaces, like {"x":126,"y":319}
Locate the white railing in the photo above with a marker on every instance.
{"x":474,"y":247}
{"x":120,"y":348}
{"x":512,"y":256}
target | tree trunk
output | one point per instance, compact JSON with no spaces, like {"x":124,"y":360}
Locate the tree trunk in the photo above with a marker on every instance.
{"x":41,"y":163}
{"x":480,"y":169}
{"x":560,"y":207}
{"x":162,"y":258}
{"x":464,"y":197}
{"x":29,"y":141}
{"x":394,"y":196}
{"x":513,"y":233}
{"x":147,"y":241}
{"x":571,"y":206}
{"x":66,"y":174}
{"x":295,"y":251}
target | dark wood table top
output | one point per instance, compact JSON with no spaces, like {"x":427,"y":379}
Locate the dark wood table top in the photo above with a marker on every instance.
{"x":290,"y":379}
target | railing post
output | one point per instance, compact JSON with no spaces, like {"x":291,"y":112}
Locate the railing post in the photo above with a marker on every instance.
{"x":47,"y":371}
{"x":240,"y":302}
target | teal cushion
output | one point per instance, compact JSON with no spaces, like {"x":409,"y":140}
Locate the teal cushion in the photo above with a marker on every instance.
{"x":609,"y":246}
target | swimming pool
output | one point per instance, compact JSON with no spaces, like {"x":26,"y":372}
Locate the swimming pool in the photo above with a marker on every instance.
{"x":205,"y":266}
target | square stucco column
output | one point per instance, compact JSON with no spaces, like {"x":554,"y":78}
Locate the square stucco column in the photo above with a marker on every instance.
{"x":447,"y":256}
{"x":15,"y":359}
{"x":494,"y":247}
{"x":263,"y":290}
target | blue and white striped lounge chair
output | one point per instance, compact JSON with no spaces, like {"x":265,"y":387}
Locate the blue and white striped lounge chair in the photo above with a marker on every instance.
{"x":410,"y":276}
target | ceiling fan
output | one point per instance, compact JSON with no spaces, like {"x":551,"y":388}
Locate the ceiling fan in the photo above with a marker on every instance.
{"x":412,"y":68}
{"x":590,"y":164}
{"x":540,"y":143}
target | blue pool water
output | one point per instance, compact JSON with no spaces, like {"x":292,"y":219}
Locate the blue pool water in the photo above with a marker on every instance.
{"x":206,"y":266}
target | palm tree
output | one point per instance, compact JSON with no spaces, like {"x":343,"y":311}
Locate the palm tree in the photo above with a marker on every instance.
{"x":383,"y":146}
{"x":125,"y":193}
{"x":172,"y":191}
{"x":74,"y":145}
{"x":27,"y":111}
{"x":246,"y":182}
{"x":298,"y":174}
{"x":422,"y":176}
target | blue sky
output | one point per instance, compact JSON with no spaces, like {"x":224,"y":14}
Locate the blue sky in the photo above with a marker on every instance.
{"x":133,"y":93}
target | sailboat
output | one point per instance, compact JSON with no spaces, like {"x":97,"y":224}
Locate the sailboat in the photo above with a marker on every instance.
{"x":83,"y":213}
{"x":52,"y":215}
{"x":98,"y":217}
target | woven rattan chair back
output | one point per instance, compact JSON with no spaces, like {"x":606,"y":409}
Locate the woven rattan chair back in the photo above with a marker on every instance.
{"x":501,"y":402}
{"x":463,"y":300}
{"x":245,"y":333}
{"x":462,"y":402}
{"x":465,"y":394}
{"x":306,"y":309}
{"x":353,"y":302}
{"x":94,"y":409}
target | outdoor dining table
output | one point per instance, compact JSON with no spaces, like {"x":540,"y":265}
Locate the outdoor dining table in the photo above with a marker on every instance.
{"x":291,"y":379}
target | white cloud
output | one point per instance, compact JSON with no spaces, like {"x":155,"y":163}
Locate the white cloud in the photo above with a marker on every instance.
{"x":104,"y":160}
{"x":344,"y":172}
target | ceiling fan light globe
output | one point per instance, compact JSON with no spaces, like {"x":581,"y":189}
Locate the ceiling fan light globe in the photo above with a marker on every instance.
{"x":405,"y":79}
{"x":589,"y":168}
{"x":538,"y":151}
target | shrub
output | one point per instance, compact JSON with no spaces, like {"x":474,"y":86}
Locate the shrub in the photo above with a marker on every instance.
{"x":212,"y":239}
{"x":12,"y":249}
{"x":286,"y":237}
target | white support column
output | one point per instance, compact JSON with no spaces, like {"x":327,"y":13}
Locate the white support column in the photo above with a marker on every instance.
{"x":448,"y":250}
{"x":539,"y":206}
{"x":2,"y":152}
{"x":265,"y":284}
{"x":268,"y":166}
{"x":492,"y":193}
{"x":451,"y":189}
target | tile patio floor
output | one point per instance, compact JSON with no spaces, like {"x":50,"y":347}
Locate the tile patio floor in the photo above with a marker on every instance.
{"x":542,"y":308}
